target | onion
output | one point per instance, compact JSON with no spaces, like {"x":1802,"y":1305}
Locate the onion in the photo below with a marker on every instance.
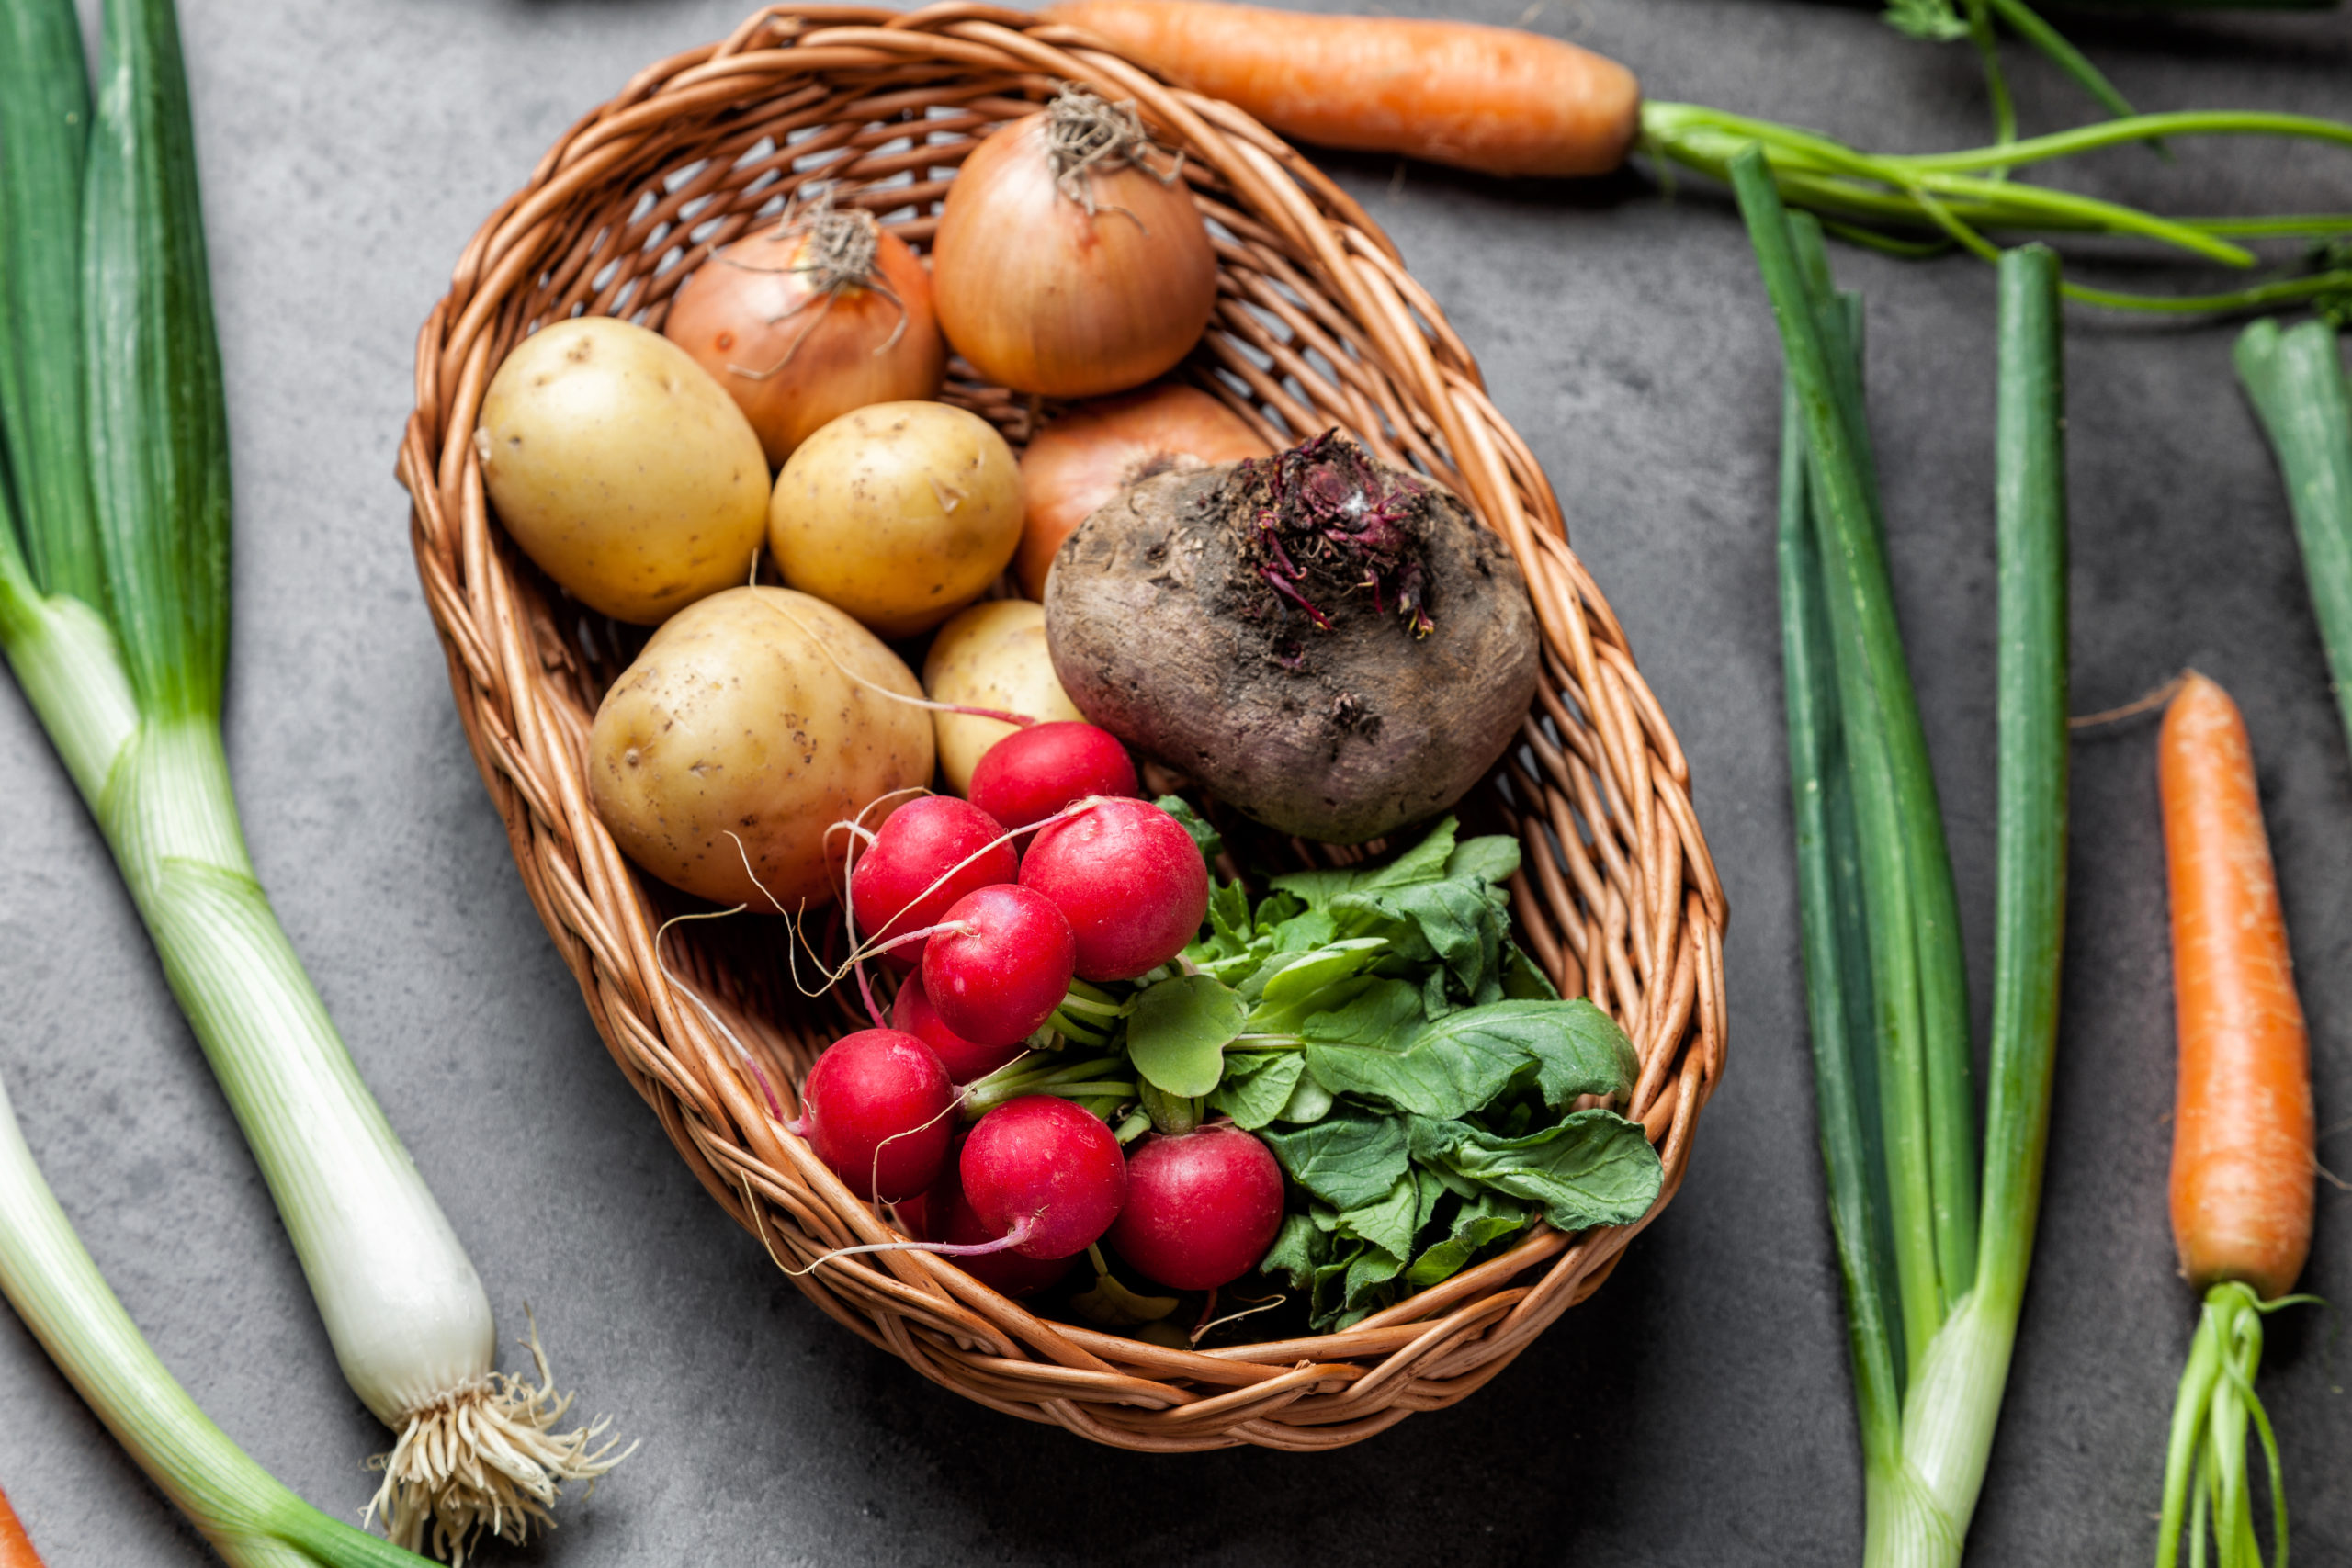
{"x":1067,"y":263}
{"x":1095,"y":450}
{"x":826,"y":313}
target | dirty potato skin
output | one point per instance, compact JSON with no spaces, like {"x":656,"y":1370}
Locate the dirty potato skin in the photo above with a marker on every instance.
{"x":901,"y":513}
{"x":622,"y":468}
{"x":1163,"y":634}
{"x":734,"y":718}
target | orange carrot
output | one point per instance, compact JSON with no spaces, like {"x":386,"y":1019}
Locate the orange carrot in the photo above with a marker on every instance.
{"x":1494,"y":99}
{"x":2243,"y":1144}
{"x":15,"y":1546}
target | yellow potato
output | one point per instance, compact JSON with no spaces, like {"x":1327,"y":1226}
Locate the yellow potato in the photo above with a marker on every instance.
{"x":991,"y":656}
{"x":901,"y":513}
{"x":736,"y":720}
{"x":622,"y":468}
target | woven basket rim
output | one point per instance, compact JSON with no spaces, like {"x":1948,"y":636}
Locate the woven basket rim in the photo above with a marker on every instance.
{"x":1318,"y":323}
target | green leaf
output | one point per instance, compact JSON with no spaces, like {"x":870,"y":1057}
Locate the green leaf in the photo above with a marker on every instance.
{"x":1593,"y":1168}
{"x":1460,"y":923}
{"x":1288,"y":987}
{"x":1458,"y":1063}
{"x":1300,"y":1248}
{"x":1205,"y":837}
{"x":1309,"y":1101}
{"x":1257,"y":1085}
{"x":1379,"y":1013}
{"x":1492,"y":859}
{"x":158,"y":419}
{"x":1483,"y":1220}
{"x":1385,"y":1222}
{"x":1113,"y":1306}
{"x":1317,"y":888}
{"x":1177,"y":1032}
{"x":1351,"y":1158}
{"x":1425,"y":862}
{"x":1523,"y":981}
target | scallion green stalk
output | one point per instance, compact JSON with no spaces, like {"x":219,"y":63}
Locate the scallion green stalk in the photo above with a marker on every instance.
{"x":114,"y":616}
{"x":1933,"y":1276}
{"x":49,"y":1277}
{"x":2296,"y":381}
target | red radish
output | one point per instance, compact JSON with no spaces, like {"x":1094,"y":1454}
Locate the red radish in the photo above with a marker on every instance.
{"x":964,"y":1060}
{"x":1129,"y":880}
{"x":1010,"y":1273}
{"x":1042,"y":1168}
{"x":908,"y":876}
{"x":1202,"y":1207}
{"x":998,"y":982}
{"x":1034,"y":773}
{"x":876,"y":1111}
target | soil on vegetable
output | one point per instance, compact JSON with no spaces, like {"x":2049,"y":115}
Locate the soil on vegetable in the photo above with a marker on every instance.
{"x":1331,"y":646}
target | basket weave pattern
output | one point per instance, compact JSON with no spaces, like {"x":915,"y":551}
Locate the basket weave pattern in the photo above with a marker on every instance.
{"x":1318,"y":324}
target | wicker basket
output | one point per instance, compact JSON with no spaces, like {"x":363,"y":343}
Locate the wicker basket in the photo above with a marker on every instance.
{"x":1318,"y":324}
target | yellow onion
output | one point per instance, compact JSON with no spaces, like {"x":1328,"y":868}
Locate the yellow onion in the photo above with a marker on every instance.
{"x":1096,"y":449}
{"x":1070,"y":259}
{"x":825,"y":313}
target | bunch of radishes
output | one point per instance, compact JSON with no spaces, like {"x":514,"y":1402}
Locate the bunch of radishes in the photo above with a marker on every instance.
{"x":990,"y":943}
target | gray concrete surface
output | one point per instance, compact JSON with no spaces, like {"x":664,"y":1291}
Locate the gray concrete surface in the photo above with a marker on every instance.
{"x":1697,"y":1411}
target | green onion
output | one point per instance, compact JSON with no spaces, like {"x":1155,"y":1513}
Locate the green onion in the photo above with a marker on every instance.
{"x":1933,"y":1277}
{"x":2296,"y":380}
{"x":49,"y":1278}
{"x":1963,"y":197}
{"x":114,"y":616}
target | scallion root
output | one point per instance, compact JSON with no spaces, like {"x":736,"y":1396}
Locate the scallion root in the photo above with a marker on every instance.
{"x":486,"y":1457}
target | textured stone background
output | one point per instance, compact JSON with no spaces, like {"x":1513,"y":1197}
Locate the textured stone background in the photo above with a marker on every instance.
{"x":1696,"y":1412}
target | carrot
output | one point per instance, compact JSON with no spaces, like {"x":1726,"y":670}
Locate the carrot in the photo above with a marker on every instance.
{"x":15,"y":1546}
{"x":2242,"y":1139}
{"x":1492,"y":100}
{"x":2243,"y":1149}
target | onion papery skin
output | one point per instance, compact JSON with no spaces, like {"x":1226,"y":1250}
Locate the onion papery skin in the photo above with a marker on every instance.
{"x":1043,"y":296}
{"x":1091,"y":452}
{"x":743,"y":311}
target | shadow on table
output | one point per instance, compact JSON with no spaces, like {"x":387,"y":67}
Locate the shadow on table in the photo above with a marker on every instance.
{"x":1521,"y":1466}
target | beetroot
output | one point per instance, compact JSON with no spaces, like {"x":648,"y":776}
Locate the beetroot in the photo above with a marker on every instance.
{"x":997,"y":982}
{"x":875,"y":1109}
{"x":1202,"y":1207}
{"x":1042,"y":1169}
{"x":1034,"y":773}
{"x":898,"y":885}
{"x":964,"y":1060}
{"x":1129,"y":880}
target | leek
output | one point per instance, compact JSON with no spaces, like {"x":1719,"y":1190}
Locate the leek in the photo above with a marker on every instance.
{"x":1933,"y":1232}
{"x":114,"y":617}
{"x":49,"y":1278}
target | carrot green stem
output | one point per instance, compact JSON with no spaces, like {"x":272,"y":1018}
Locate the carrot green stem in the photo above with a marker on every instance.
{"x":1967,"y":195}
{"x":2208,"y":1487}
{"x":2296,"y":381}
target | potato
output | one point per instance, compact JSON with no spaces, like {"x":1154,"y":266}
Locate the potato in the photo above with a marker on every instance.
{"x":901,"y":513}
{"x":990,"y":656}
{"x":622,"y":468}
{"x":735,"y":722}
